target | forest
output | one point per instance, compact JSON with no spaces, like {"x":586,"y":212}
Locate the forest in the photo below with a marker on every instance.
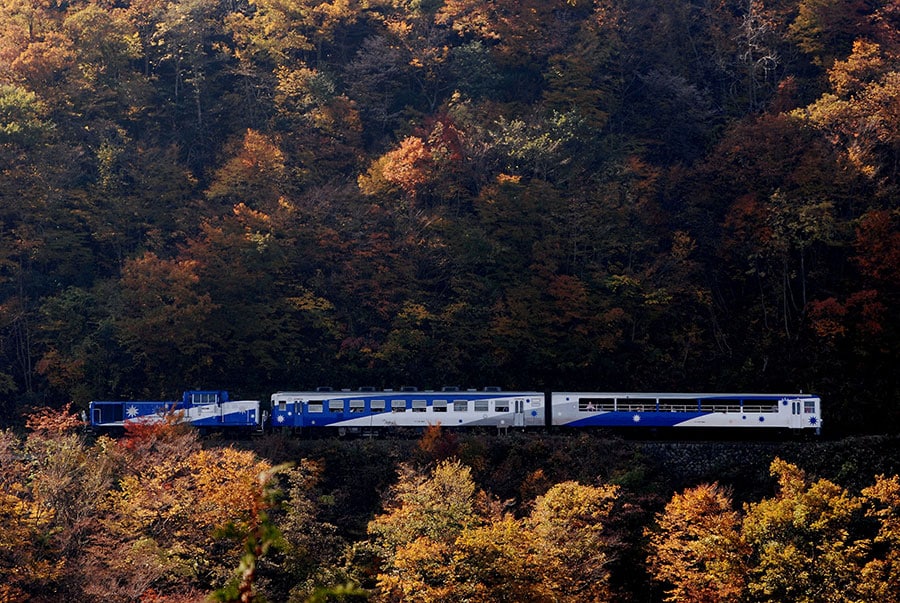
{"x":598,"y":195}
{"x":258,"y":195}
{"x":159,"y":516}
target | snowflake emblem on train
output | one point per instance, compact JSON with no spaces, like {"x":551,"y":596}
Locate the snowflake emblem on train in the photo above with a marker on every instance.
{"x":280,"y":418}
{"x":636,"y":418}
{"x":132,"y":411}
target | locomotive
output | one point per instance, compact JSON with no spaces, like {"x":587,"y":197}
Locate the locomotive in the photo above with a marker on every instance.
{"x":204,"y":409}
{"x":367,"y":411}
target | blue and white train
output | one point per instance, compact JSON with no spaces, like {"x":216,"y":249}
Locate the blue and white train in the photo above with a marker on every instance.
{"x":373,"y":411}
{"x":369,"y":411}
{"x":204,"y":409}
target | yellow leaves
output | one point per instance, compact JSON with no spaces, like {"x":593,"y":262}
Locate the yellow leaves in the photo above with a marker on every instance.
{"x":399,"y":28}
{"x":190,"y":497}
{"x":570,"y":526}
{"x":860,"y":110}
{"x":440,"y":544}
{"x":697,"y":548}
{"x":420,"y":572}
{"x":863,"y":65}
{"x":805,"y":543}
{"x":884,"y":497}
{"x":226,"y":483}
{"x":23,"y":563}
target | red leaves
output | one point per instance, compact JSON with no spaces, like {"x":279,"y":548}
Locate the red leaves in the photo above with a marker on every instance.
{"x":878,"y":247}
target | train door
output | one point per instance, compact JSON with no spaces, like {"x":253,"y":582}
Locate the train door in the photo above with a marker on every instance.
{"x":519,"y":414}
{"x":796,"y":419}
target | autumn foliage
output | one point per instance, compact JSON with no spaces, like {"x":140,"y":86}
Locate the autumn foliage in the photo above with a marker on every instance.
{"x":810,"y":542}
{"x":560,"y":194}
{"x":161,"y":515}
{"x":537,"y":194}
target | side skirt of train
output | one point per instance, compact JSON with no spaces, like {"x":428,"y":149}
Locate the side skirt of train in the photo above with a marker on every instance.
{"x":371,"y":412}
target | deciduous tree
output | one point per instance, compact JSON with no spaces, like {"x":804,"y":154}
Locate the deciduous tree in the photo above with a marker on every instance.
{"x":697,"y":549}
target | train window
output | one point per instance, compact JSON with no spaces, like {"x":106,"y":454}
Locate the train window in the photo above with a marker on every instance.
{"x":204,"y":398}
{"x":315,"y":406}
{"x":720,"y":405}
{"x":439,"y":406}
{"x":760,"y":406}
{"x":636,"y":404}
{"x":282,"y":405}
{"x":677,"y":405}
{"x":481,"y":405}
{"x":460,"y":405}
{"x":501,"y":406}
{"x":419,"y":405}
{"x":595,"y":404}
{"x":336,"y":405}
{"x":398,"y":405}
{"x":377,"y":405}
{"x":809,"y":407}
{"x":357,"y":405}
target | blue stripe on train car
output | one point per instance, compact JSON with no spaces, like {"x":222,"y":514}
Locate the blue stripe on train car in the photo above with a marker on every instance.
{"x":635,"y":419}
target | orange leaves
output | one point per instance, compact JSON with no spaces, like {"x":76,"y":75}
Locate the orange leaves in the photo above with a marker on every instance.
{"x":183,"y":512}
{"x":54,"y":421}
{"x":806,"y":540}
{"x":697,"y":548}
{"x":152,"y":281}
{"x":438,"y":444}
{"x":406,"y":166}
{"x":227,"y":483}
{"x":862,"y":66}
{"x":420,"y":165}
{"x":43,"y":63}
{"x":254,"y":175}
{"x":163,"y":310}
{"x":166,"y":436}
{"x":190,"y":497}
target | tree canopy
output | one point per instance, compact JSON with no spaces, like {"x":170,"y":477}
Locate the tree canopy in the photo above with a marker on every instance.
{"x":600,"y":194}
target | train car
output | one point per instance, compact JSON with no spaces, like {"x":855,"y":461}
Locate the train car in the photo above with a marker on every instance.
{"x":687,"y":410}
{"x":369,"y":411}
{"x":204,"y":409}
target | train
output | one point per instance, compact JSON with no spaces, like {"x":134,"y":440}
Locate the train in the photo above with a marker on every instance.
{"x":204,"y":409}
{"x":370,"y":412}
